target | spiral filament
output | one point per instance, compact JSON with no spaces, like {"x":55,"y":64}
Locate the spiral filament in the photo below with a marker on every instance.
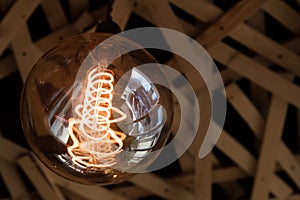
{"x":95,"y":143}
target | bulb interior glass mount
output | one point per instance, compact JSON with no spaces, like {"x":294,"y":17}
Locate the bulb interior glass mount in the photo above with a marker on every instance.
{"x":92,"y":121}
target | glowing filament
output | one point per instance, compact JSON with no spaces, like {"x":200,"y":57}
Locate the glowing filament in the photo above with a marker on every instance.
{"x":95,"y":144}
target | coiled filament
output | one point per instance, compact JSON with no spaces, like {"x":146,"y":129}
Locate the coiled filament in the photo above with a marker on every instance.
{"x":95,"y":143}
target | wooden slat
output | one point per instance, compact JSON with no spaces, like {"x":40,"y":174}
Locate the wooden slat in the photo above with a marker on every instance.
{"x":257,"y":21}
{"x":26,"y":53}
{"x":75,"y":189}
{"x":185,"y":180}
{"x":292,"y":197}
{"x":255,"y":121}
{"x":256,"y":72}
{"x":42,"y":185}
{"x":237,"y":153}
{"x":270,"y":145}
{"x":203,"y":178}
{"x":121,"y":12}
{"x":246,"y":109}
{"x":207,"y":17}
{"x":142,"y":10}
{"x":162,"y":15}
{"x":255,"y":40}
{"x":77,"y":7}
{"x":289,"y":163}
{"x":50,"y":40}
{"x":208,"y":11}
{"x":223,"y":174}
{"x":160,"y":187}
{"x":277,"y":8}
{"x":211,"y":6}
{"x":247,"y":162}
{"x":220,"y":176}
{"x":227,"y":174}
{"x":266,"y":47}
{"x":45,"y":172}
{"x":131,"y":192}
{"x":12,"y":179}
{"x":5,"y":5}
{"x":225,"y":177}
{"x":17,"y":16}
{"x":83,"y":22}
{"x":238,"y":98}
{"x":261,"y":98}
{"x":283,"y":192}
{"x":295,"y":197}
{"x":298,"y":120}
{"x":85,"y":191}
{"x":54,"y":13}
{"x":283,"y":13}
{"x":221,"y":27}
{"x":186,"y":162}
{"x":10,"y":151}
{"x":294,"y":44}
{"x":72,"y":196}
{"x":71,"y":29}
{"x":281,"y":183}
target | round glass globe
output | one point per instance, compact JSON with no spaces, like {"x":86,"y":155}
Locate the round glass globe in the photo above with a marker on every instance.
{"x":92,"y":118}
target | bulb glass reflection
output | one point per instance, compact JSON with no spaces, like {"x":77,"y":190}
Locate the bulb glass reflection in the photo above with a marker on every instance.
{"x":91,"y":121}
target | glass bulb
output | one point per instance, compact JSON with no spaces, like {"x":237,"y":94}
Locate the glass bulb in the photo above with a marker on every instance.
{"x":93,"y":120}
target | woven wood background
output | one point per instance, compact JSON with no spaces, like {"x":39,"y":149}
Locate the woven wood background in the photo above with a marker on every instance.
{"x":256,"y":44}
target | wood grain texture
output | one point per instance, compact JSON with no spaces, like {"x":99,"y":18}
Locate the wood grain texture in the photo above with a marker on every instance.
{"x":270,"y":146}
{"x":16,"y":17}
{"x":256,"y":72}
{"x":13,"y":180}
{"x":211,"y":25}
{"x":284,"y":14}
{"x":266,"y":47}
{"x":160,"y":187}
{"x":54,"y":13}
{"x":223,"y":25}
{"x":42,"y":185}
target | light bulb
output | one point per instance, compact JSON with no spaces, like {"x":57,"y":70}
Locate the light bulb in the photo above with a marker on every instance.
{"x":93,"y":120}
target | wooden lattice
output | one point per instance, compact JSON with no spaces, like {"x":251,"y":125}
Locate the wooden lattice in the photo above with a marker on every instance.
{"x":264,"y":111}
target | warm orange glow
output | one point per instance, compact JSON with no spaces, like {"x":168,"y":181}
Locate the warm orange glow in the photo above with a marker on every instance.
{"x":95,"y":144}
